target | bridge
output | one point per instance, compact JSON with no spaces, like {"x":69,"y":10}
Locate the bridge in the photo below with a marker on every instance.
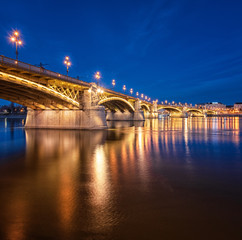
{"x":59,"y":101}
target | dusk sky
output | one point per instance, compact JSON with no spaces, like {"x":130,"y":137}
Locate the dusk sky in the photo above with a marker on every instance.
{"x":186,"y":51}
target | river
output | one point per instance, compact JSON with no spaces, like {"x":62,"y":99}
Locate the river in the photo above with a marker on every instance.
{"x":162,"y":179}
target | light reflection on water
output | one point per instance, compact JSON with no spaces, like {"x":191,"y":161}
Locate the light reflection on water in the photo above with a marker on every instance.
{"x":133,"y":181}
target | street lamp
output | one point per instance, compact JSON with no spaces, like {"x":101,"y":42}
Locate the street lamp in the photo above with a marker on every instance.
{"x":16,"y":39}
{"x":142,"y":95}
{"x":165,"y":101}
{"x":131,"y":91}
{"x":113,"y":83}
{"x":137,"y":94}
{"x":68,"y":64}
{"x":97,"y":76}
{"x":124,"y":88}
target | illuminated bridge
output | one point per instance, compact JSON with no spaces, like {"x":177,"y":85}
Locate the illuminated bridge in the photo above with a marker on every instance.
{"x":58,"y":101}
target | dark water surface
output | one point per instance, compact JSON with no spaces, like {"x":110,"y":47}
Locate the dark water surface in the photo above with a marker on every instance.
{"x":164,"y":179}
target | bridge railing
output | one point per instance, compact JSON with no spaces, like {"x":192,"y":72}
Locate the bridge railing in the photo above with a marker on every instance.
{"x":39,"y":70}
{"x":42,"y":71}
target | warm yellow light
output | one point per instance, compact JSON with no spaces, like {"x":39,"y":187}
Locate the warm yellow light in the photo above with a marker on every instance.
{"x":19,"y":42}
{"x":65,"y":62}
{"x":16,"y":33}
{"x":13,"y":39}
{"x":68,"y":63}
{"x":137,"y":94}
{"x":97,"y":75}
{"x":67,"y":58}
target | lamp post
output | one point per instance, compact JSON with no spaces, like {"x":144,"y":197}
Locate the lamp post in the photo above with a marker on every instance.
{"x":137,"y":94}
{"x":97,"y":76}
{"x":16,"y":39}
{"x":131,"y":91}
{"x":113,"y":83}
{"x":142,"y":95}
{"x":68,"y":64}
{"x":124,"y":88}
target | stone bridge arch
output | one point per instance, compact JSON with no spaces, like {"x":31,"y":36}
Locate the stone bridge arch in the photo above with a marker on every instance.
{"x":145,"y":107}
{"x":210,"y":112}
{"x":195,"y":112}
{"x":170,"y":109}
{"x":115,"y":104}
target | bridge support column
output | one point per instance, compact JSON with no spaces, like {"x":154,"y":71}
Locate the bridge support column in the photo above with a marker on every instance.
{"x":154,"y":112}
{"x":88,"y":117}
{"x":138,"y":114}
{"x":119,"y":116}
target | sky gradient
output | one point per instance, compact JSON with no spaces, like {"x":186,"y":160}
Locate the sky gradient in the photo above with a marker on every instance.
{"x":186,"y":51}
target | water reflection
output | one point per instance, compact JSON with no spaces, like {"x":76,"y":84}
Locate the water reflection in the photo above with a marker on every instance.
{"x":106,"y":184}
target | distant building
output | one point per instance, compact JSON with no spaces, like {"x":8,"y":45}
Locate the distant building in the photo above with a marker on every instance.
{"x":238,"y":106}
{"x":215,"y":106}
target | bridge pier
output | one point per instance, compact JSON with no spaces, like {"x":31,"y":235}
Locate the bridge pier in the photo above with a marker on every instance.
{"x":180,"y":114}
{"x":154,"y":112}
{"x":66,"y":119}
{"x":119,"y":116}
{"x":125,"y":116}
{"x":88,"y":117}
{"x":138,"y":113}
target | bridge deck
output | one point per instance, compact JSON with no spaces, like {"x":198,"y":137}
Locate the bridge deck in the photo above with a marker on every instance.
{"x":9,"y":63}
{"x":42,"y":74}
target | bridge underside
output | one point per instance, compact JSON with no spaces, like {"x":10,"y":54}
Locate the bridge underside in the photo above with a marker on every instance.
{"x":118,"y":109}
{"x":170,"y":109}
{"x":31,"y":98}
{"x":195,"y":113}
{"x":116,"y":105}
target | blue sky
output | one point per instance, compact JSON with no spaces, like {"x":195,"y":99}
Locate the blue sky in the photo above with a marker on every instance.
{"x":187,"y":51}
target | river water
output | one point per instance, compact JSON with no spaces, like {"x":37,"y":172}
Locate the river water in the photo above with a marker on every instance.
{"x":161,"y":179}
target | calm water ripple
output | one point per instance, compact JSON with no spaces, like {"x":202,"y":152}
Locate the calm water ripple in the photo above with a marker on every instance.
{"x":161,"y":179}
